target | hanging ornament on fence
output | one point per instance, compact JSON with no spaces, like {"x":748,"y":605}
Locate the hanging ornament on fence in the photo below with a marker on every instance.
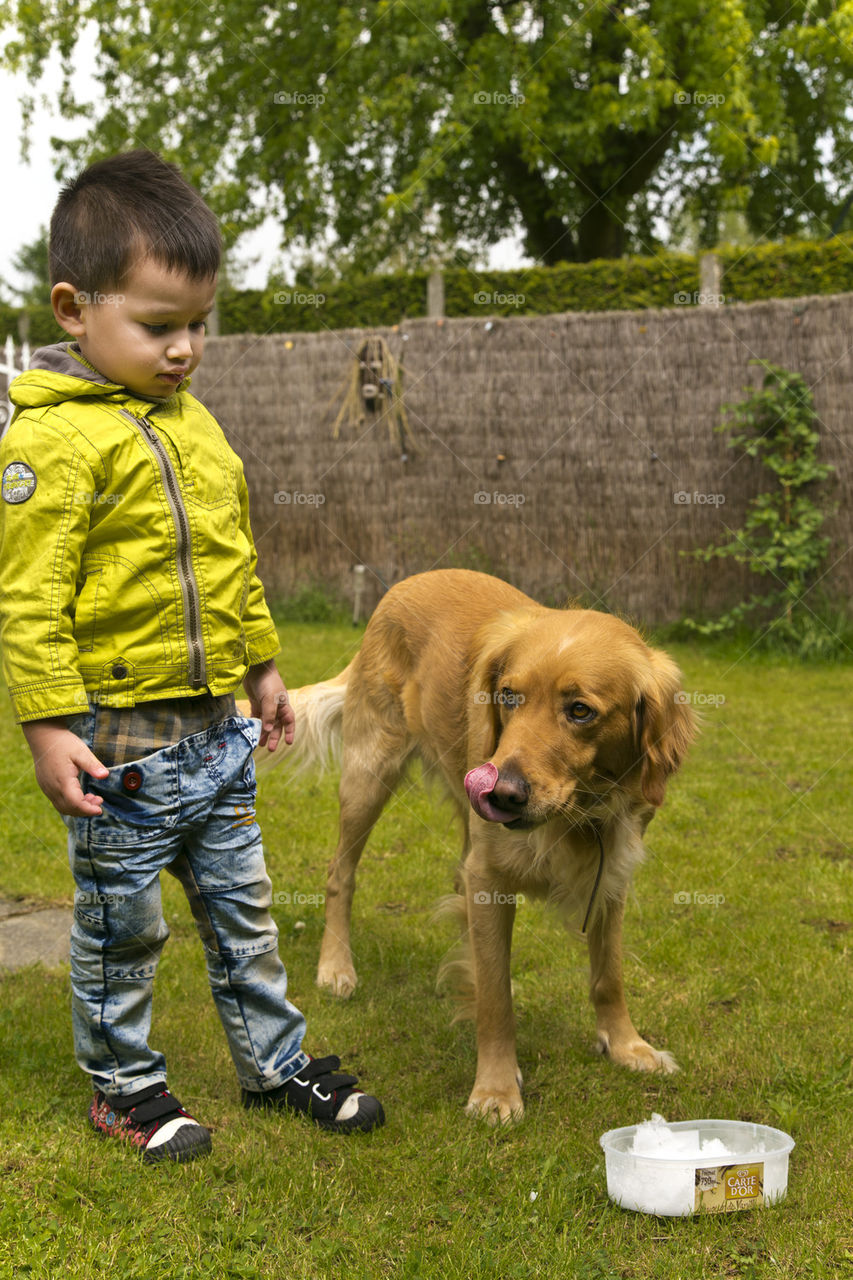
{"x":374,"y":388}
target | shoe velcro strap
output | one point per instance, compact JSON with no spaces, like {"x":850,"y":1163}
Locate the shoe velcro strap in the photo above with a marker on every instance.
{"x":322,"y":1071}
{"x":163,"y":1104}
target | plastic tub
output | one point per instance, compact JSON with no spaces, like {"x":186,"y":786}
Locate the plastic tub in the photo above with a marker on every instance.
{"x":744,"y":1165}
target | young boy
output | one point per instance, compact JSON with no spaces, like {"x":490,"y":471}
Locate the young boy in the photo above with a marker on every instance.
{"x":130,"y":611}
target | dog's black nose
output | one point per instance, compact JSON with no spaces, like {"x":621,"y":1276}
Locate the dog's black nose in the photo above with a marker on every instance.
{"x":510,"y":792}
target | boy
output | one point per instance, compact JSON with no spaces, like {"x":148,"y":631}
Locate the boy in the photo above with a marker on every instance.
{"x":130,"y":611}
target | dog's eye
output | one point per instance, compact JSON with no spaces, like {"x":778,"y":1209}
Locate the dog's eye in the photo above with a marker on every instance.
{"x":509,"y":697}
{"x":580,"y":713}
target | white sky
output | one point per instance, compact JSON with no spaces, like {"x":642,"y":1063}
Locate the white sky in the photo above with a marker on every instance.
{"x":30,"y":189}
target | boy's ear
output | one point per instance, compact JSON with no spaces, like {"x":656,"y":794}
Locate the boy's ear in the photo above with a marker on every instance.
{"x":68,"y":304}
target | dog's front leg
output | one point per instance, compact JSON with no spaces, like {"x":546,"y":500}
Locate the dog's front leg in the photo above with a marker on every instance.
{"x":617,"y":1037}
{"x":491,"y":915}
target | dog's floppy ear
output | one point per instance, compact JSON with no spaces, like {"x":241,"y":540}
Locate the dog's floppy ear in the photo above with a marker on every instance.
{"x":665,"y":726}
{"x":493,"y":646}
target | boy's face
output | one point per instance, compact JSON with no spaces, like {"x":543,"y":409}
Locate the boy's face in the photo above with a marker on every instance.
{"x":149,"y":335}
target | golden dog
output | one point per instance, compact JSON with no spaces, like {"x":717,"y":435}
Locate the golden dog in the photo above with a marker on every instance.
{"x":554,"y":731}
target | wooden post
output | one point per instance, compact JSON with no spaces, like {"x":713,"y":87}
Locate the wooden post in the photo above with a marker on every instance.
{"x":211,"y":324}
{"x":358,"y":572}
{"x":710,"y":281}
{"x":435,"y":296}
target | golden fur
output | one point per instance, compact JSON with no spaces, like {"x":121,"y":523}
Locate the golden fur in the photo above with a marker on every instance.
{"x":582,"y":721}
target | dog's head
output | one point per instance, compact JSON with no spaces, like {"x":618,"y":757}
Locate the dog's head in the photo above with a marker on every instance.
{"x":570,"y":709}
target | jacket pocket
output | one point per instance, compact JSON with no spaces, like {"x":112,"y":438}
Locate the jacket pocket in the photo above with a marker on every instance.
{"x":86,"y":612}
{"x":208,"y":470}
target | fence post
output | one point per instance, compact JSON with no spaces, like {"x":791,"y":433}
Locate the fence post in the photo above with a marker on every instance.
{"x":435,"y":295}
{"x":9,"y":370}
{"x":710,"y":280}
{"x":358,"y":571}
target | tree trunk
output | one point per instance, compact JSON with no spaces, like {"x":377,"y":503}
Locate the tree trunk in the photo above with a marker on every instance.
{"x":601,"y":233}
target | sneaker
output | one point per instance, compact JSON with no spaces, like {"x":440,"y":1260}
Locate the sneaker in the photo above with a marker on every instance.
{"x":157,"y":1125}
{"x":324,"y":1094}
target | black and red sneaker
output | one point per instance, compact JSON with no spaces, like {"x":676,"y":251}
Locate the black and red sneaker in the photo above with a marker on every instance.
{"x":324,"y":1094}
{"x":152,"y":1121}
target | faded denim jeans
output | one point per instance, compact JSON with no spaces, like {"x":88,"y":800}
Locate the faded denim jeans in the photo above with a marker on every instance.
{"x":188,"y":809}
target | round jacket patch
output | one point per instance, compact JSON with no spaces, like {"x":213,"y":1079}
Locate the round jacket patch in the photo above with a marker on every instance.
{"x":19,"y":482}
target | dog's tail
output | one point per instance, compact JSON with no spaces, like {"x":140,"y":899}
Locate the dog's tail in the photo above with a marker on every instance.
{"x":318,"y":740}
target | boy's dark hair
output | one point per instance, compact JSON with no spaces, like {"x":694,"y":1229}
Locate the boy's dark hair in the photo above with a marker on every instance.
{"x":124,"y":209}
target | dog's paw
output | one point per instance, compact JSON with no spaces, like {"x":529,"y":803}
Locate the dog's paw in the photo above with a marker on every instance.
{"x":495,"y":1106}
{"x":340,"y":980}
{"x":637,"y":1055}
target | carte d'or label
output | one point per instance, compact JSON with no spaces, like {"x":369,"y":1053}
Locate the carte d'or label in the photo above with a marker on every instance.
{"x":725,"y":1188}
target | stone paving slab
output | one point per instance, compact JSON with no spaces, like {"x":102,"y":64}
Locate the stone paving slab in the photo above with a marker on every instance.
{"x":30,"y":934}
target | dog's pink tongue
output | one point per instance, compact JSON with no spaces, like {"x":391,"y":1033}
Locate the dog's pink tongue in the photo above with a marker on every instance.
{"x":480,"y":783}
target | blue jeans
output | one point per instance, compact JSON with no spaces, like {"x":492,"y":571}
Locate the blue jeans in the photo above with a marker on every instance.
{"x":189,"y":808}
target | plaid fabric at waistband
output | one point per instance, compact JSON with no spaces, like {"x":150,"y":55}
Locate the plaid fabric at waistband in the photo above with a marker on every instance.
{"x":129,"y":733}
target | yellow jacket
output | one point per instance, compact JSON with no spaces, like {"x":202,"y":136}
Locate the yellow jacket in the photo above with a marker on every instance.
{"x":127,"y":566}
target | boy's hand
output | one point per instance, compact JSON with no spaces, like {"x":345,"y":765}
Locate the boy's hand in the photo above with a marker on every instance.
{"x":59,"y":755}
{"x":270,"y":705}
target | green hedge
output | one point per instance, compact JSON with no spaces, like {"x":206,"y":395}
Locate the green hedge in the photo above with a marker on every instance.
{"x":790,"y":269}
{"x":605,"y":285}
{"x":43,"y":327}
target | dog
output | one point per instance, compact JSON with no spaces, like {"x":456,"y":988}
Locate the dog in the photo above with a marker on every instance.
{"x":554,"y":732}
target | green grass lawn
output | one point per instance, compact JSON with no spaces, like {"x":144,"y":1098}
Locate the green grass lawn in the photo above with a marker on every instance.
{"x":738,"y":941}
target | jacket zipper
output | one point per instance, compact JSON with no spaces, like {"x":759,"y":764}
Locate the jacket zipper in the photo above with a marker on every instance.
{"x":183,"y":541}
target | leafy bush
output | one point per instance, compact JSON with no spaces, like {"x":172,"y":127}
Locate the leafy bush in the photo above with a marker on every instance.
{"x":780,"y":539}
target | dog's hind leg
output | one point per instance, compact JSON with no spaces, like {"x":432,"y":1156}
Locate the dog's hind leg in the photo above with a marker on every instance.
{"x":368,"y":779}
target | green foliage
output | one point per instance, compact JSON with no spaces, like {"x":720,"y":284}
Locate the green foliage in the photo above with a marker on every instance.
{"x":31,"y":261}
{"x":311,"y":602}
{"x":393,"y":133}
{"x":789,"y":269}
{"x":780,"y":539}
{"x":43,"y":328}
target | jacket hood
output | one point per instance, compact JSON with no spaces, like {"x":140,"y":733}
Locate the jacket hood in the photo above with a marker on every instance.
{"x":56,"y":373}
{"x":61,"y":372}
